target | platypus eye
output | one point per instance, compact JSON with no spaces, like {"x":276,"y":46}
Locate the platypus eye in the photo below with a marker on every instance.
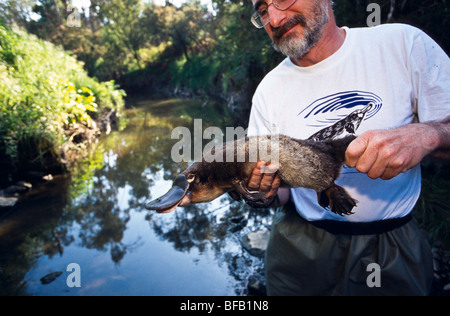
{"x":190,"y":177}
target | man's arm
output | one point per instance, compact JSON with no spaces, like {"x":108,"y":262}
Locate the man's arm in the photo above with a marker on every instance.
{"x":386,"y":153}
{"x":443,"y":129}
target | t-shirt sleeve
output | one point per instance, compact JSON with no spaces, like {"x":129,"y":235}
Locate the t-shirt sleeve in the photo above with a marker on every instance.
{"x":430,"y":67}
{"x":258,"y":124}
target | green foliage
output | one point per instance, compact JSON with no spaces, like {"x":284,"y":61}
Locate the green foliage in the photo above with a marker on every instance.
{"x":43,"y":92}
{"x":195,"y":74}
{"x":432,"y":210}
{"x":76,"y":104}
{"x":430,"y":16}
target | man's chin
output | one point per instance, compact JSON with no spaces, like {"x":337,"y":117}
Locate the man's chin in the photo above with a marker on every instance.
{"x":292,"y":46}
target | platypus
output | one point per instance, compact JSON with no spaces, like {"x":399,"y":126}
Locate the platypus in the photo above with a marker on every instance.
{"x":301,"y":163}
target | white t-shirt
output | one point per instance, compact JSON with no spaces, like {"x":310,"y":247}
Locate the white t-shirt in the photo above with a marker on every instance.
{"x":380,"y":78}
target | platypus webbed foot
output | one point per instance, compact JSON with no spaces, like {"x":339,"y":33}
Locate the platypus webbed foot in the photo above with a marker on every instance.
{"x":339,"y":201}
{"x":255,"y":199}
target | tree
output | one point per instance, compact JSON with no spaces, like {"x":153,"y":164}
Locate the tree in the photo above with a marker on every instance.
{"x":187,"y":28}
{"x":123,"y":27}
{"x":16,"y":12}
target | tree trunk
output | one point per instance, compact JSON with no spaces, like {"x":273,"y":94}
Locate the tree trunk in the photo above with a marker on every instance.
{"x":58,"y":12}
{"x":390,"y":17}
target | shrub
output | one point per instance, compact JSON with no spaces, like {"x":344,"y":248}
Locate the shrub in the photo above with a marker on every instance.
{"x":44,"y":91}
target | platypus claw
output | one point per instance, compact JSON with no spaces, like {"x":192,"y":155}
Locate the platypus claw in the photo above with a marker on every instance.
{"x":255,"y":199}
{"x":337,"y":199}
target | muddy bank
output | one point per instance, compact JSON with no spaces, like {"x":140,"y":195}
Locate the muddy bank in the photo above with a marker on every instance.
{"x":35,"y":166}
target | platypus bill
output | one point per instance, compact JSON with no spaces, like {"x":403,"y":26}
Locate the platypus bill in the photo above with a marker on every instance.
{"x":301,"y":163}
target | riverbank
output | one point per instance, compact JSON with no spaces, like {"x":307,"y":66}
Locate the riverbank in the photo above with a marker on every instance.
{"x":18,"y":179}
{"x":51,"y":110}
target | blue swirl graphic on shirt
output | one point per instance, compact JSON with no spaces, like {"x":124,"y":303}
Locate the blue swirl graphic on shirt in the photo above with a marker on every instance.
{"x":340,"y":112}
{"x":344,"y":100}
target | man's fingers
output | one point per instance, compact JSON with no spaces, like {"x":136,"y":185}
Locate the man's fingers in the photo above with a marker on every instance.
{"x":269,"y":173}
{"x":355,"y":149}
{"x":274,"y":188}
{"x":264,"y":179}
{"x":386,"y":153}
{"x":367,"y":160}
{"x":257,"y":174}
{"x":373,"y":170}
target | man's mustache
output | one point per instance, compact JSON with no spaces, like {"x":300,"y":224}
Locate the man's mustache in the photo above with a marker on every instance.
{"x":280,"y":31}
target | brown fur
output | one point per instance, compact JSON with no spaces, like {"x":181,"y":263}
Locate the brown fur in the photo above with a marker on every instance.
{"x":302,"y":163}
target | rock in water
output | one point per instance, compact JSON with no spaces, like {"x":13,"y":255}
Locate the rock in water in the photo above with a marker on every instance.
{"x":49,"y":278}
{"x":6,"y":202}
{"x":256,"y":242}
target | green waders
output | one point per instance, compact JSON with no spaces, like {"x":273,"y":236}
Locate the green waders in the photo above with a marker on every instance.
{"x":302,"y":259}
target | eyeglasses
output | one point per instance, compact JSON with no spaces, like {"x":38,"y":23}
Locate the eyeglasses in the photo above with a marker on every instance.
{"x":261,"y":16}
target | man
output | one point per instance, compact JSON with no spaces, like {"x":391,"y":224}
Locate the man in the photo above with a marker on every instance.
{"x":374,"y":83}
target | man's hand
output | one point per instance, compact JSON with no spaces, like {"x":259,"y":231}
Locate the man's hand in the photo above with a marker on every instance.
{"x":386,"y":153}
{"x":264,"y":179}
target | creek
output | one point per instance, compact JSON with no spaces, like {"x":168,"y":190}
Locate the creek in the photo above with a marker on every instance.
{"x":95,"y":218}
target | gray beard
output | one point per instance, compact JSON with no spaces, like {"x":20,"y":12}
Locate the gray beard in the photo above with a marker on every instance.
{"x":297,"y":47}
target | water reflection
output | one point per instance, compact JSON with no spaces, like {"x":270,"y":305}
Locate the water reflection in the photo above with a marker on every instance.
{"x":96,"y":219}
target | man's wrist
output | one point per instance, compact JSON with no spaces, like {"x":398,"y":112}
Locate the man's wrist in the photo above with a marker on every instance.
{"x":439,"y":138}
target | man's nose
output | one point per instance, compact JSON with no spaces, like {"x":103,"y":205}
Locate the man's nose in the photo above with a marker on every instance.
{"x":276,"y":16}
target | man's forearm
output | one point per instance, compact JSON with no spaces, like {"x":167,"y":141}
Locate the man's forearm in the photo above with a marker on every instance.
{"x":386,"y":153}
{"x":442,"y":130}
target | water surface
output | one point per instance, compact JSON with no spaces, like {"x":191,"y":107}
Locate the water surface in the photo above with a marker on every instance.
{"x":96,"y":219}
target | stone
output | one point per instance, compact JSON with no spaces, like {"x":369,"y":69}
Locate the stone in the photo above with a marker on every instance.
{"x":256,"y":242}
{"x":47,"y":177}
{"x":18,"y":188}
{"x":256,"y":286}
{"x":6,"y":202}
{"x":49,"y":278}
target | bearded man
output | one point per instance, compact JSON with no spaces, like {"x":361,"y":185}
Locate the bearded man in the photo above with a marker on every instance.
{"x":388,"y":85}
